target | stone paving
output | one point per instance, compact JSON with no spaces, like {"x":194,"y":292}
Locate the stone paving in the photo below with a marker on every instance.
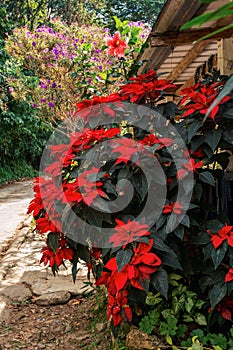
{"x":14,"y":200}
{"x":21,"y":275}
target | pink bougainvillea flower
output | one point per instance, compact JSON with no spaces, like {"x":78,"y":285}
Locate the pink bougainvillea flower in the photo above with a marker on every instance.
{"x":225,"y":233}
{"x":116,"y":46}
{"x":127,"y":233}
{"x":175,"y":208}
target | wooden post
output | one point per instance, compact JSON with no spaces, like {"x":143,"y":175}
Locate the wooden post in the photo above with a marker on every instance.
{"x":225,"y":56}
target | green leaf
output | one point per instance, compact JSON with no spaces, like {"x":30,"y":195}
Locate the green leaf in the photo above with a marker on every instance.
{"x":215,"y":32}
{"x":217,"y":293}
{"x":216,"y":347}
{"x":214,"y":226}
{"x":169,"y":339}
{"x":201,"y":238}
{"x":228,"y":114}
{"x":179,"y":232}
{"x":206,"y":1}
{"x":170,"y":259}
{"x":228,"y":135}
{"x":52,"y":241}
{"x":207,"y":177}
{"x":189,"y":304}
{"x":193,"y":128}
{"x":160,"y":281}
{"x":218,"y":255}
{"x":212,"y":137}
{"x":200,"y":319}
{"x":186,"y":221}
{"x":123,"y":257}
{"x":210,"y":16}
{"x":140,"y":184}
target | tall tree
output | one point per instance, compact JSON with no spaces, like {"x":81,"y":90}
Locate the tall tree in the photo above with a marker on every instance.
{"x":136,"y":10}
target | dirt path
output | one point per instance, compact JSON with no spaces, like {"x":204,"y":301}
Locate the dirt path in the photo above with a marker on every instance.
{"x":14,"y":200}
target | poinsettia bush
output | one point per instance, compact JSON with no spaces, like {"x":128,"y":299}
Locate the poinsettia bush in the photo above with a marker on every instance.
{"x":138,"y":257}
{"x":52,"y":67}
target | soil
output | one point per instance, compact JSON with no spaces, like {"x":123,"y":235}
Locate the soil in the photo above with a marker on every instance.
{"x":79,"y":324}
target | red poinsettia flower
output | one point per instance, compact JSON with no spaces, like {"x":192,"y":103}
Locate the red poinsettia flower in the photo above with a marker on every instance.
{"x":116,"y":46}
{"x":118,"y":307}
{"x":225,"y":233}
{"x":56,"y":258}
{"x":151,"y":140}
{"x":127,"y":233}
{"x":189,"y":166}
{"x":144,"y":78}
{"x":175,"y":208}
{"x":150,"y":91}
{"x":95,"y":255}
{"x":127,"y":148}
{"x":229,"y":275}
{"x":85,"y":112}
{"x":36,"y":205}
{"x":141,"y":266}
{"x":200,"y":101}
{"x":225,"y":308}
{"x":44,"y":225}
{"x":84,"y":188}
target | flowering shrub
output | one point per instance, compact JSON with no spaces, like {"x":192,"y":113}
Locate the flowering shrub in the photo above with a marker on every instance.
{"x":58,"y":65}
{"x":137,"y":255}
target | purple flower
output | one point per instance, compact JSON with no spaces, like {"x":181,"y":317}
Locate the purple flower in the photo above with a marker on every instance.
{"x":54,"y":85}
{"x":34,"y":105}
{"x":11,"y":89}
{"x":33,"y":43}
{"x":43,"y":85}
{"x":43,"y":100}
{"x":50,"y":104}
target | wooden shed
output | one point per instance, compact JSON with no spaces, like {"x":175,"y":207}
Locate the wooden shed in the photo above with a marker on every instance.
{"x":176,"y":53}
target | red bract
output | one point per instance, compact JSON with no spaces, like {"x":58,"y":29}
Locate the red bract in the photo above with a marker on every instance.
{"x":127,"y":233}
{"x":116,"y":46}
{"x":151,"y":140}
{"x":115,"y":97}
{"x":84,"y":188}
{"x":118,"y":307}
{"x":189,"y":166}
{"x":225,"y":233}
{"x":144,"y":78}
{"x":86,"y":139}
{"x":225,"y":307}
{"x":172,"y":208}
{"x":141,"y":266}
{"x":200,"y":101}
{"x":229,"y":275}
{"x":149,"y":91}
{"x":35,"y":205}
{"x":127,"y":148}
{"x":57,"y":258}
{"x":44,"y":225}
